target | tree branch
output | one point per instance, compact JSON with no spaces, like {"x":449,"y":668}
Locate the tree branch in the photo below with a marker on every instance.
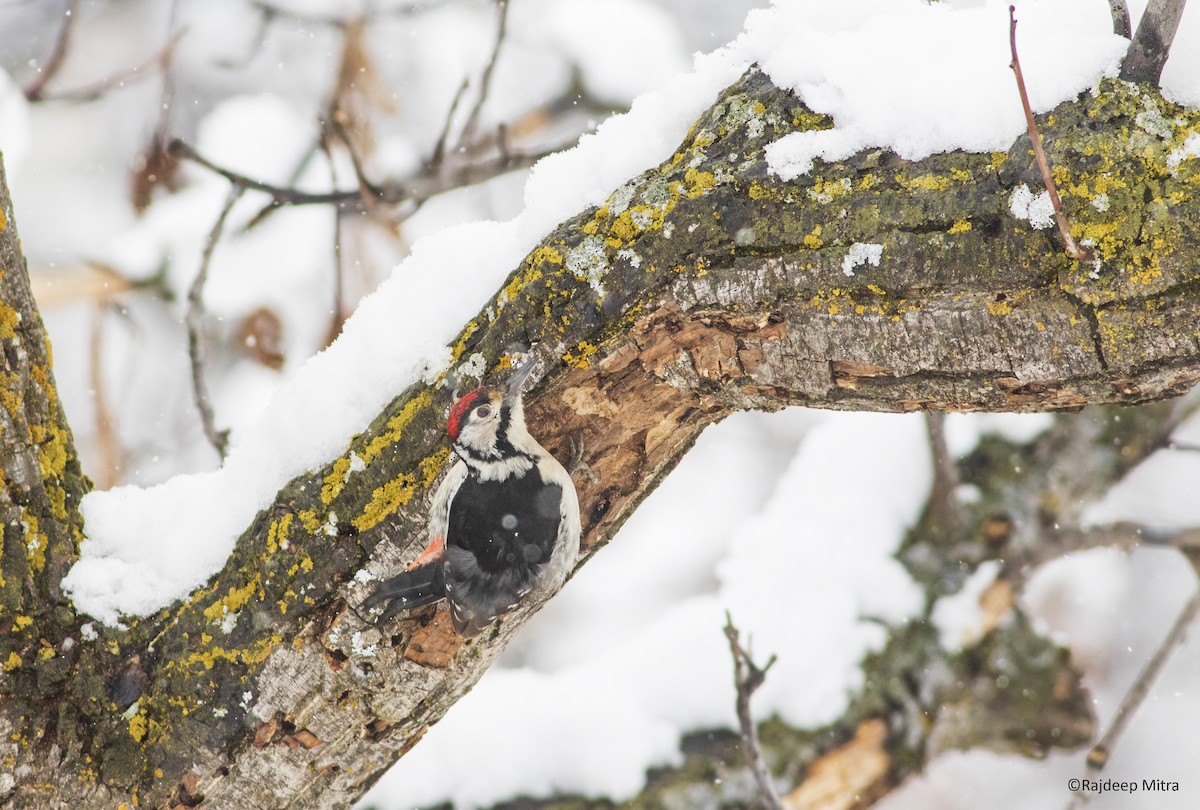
{"x":35,"y":90}
{"x":485,"y":81}
{"x":747,"y":677}
{"x":1151,"y":45}
{"x":1122,"y":26}
{"x":706,"y":286}
{"x":1064,"y":228}
{"x":195,"y":327}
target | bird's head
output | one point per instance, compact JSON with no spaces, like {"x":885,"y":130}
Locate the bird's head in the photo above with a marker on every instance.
{"x":487,"y":424}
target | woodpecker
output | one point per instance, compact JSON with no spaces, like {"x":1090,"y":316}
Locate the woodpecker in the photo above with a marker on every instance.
{"x":504,"y":526}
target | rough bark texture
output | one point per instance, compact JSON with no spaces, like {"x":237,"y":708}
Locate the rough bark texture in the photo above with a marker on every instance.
{"x":703,"y":286}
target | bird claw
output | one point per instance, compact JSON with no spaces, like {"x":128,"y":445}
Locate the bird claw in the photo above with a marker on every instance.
{"x":578,"y":465}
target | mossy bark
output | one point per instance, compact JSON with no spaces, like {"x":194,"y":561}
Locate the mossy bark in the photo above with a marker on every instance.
{"x":702,"y":287}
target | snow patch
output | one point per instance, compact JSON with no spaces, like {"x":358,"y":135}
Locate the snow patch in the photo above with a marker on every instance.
{"x":860,"y":254}
{"x":1037,"y":210}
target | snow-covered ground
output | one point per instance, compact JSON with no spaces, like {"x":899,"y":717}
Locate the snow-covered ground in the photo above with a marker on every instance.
{"x":617,"y":679}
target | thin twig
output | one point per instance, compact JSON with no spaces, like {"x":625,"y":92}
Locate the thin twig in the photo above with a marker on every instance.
{"x":118,"y":80}
{"x":195,"y":323}
{"x":485,"y":81}
{"x":945,"y":471}
{"x":107,"y":446}
{"x":1076,"y":252}
{"x":336,"y":320}
{"x":417,"y":191}
{"x":439,"y":150}
{"x":1151,"y":45}
{"x":747,"y":677}
{"x":34,"y":91}
{"x":1139,"y":690}
{"x":373,"y":11}
{"x":1122,"y":27}
{"x":368,"y":191}
{"x":281,"y":195}
{"x":1098,"y":756}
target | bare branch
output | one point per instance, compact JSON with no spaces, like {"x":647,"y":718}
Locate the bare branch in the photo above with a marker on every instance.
{"x":337,"y":318}
{"x":118,"y":80}
{"x":281,"y":195}
{"x":439,"y":150}
{"x":747,"y":677}
{"x":107,"y":444}
{"x":941,"y":505}
{"x":373,"y":11}
{"x":1076,"y":252}
{"x":416,"y":191}
{"x":485,"y":82}
{"x":195,"y":323}
{"x":1100,"y":753}
{"x":34,"y":91}
{"x":1122,"y":27}
{"x":1151,"y":45}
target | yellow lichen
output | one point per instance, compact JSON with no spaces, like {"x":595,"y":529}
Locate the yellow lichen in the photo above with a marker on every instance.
{"x":924,"y":182}
{"x":460,"y":345}
{"x":52,"y":454}
{"x":234,"y":600}
{"x":13,"y":662}
{"x":9,"y":318}
{"x":580,"y":356}
{"x":757,"y":191}
{"x":960,"y":226}
{"x":334,"y":482}
{"x":251,"y":655}
{"x":824,"y":191}
{"x":396,"y":425}
{"x":388,"y":498}
{"x":813,"y":241}
{"x":545,"y":254}
{"x":699,"y":182}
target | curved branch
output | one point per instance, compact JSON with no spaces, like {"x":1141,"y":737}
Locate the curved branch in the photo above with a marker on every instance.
{"x":703,"y":286}
{"x":1151,"y":45}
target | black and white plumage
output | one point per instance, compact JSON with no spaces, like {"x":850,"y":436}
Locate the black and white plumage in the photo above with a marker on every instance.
{"x":504,"y":527}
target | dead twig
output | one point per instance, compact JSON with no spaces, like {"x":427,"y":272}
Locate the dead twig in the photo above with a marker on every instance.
{"x":1122,"y":27}
{"x":336,"y":317}
{"x":281,"y":195}
{"x":1100,"y":753}
{"x":415,"y":191}
{"x":35,"y":90}
{"x":108,"y":446}
{"x":747,"y":677}
{"x":195,"y":324}
{"x":439,"y":149}
{"x":1151,"y":45}
{"x":485,"y":81}
{"x":118,"y":80}
{"x":941,"y":505}
{"x":1075,"y":251}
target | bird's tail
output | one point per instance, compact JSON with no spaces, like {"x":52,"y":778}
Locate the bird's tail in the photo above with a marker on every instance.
{"x":412,"y":589}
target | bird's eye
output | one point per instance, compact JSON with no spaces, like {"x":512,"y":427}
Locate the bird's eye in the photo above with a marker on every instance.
{"x":483,"y":412}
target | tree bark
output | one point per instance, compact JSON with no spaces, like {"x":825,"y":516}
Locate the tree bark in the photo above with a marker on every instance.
{"x":703,"y":286}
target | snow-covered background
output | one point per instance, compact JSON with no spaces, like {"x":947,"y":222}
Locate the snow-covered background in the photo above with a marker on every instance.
{"x":615,"y":681}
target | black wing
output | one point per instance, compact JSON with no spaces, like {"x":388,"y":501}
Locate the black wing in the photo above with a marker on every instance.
{"x":500,"y":536}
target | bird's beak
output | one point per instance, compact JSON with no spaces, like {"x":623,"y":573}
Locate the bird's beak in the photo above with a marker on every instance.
{"x":512,"y":386}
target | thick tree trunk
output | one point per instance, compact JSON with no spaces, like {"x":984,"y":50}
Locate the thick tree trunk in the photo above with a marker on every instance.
{"x":702,"y":287}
